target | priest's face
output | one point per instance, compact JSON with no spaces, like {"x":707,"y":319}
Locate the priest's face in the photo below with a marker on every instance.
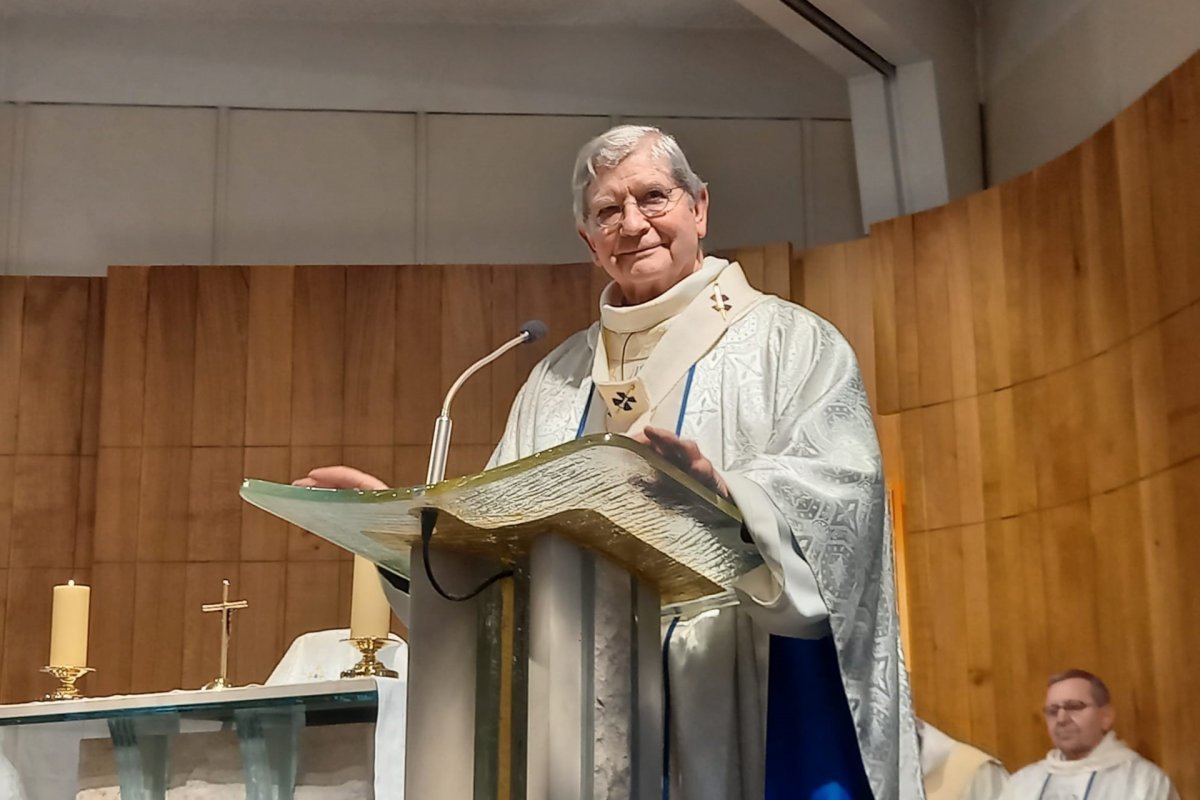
{"x":644,"y":251}
{"x":1076,"y":723}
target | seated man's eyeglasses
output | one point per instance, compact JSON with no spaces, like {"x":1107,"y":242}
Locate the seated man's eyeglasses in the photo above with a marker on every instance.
{"x":651,"y":203}
{"x":1070,"y":706}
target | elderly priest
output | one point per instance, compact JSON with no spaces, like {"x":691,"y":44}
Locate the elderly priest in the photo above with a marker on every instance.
{"x":763,"y":401}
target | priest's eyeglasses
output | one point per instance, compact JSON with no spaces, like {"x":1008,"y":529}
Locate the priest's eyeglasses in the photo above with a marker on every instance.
{"x":1070,"y":706}
{"x":653,"y":202}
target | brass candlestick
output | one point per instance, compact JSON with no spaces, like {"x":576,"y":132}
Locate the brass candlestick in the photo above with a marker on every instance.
{"x":369,"y":666}
{"x":67,"y":677}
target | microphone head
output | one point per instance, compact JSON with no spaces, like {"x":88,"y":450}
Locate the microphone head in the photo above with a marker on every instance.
{"x":534,"y":329}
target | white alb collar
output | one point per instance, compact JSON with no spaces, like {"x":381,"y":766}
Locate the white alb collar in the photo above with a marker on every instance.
{"x":672,"y":302}
{"x":1109,"y":753}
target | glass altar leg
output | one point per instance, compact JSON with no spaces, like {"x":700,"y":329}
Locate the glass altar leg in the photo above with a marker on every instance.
{"x":269,"y":739}
{"x":142,"y":748}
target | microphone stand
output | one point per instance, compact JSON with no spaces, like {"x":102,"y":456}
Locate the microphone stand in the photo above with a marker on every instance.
{"x":439,"y":450}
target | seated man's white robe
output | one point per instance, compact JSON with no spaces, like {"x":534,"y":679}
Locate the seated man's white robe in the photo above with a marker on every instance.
{"x":777,"y":403}
{"x":1113,"y":771}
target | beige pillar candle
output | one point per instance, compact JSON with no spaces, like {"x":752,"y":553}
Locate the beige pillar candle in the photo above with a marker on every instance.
{"x":69,"y":625}
{"x":370,"y":614}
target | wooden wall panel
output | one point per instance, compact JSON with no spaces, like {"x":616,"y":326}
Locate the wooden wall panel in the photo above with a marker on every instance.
{"x":43,"y":511}
{"x":1137,"y":226}
{"x":85,"y":513}
{"x":318,"y":342}
{"x":214,"y":531}
{"x":1037,"y":363}
{"x":988,"y":292}
{"x":1173,"y":128}
{"x":219,"y":385}
{"x":370,"y":358}
{"x":53,"y":355}
{"x":269,"y":326}
{"x":122,"y":386}
{"x":12,"y":319}
{"x":258,"y":636}
{"x":6,"y":508}
{"x":118,"y":503}
{"x":46,"y":375}
{"x":111,"y":639}
{"x":1101,"y":257}
{"x":163,"y":504}
{"x":92,"y":370}
{"x":159,"y":610}
{"x":170,"y":335}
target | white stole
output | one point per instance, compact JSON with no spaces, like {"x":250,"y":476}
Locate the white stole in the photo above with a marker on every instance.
{"x":655,"y":394}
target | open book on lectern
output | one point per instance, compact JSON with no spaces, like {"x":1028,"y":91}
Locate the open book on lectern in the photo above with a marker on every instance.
{"x":607,"y":493}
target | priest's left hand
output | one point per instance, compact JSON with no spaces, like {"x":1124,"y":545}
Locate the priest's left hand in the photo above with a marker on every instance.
{"x":685,"y":454}
{"x":340,"y":478}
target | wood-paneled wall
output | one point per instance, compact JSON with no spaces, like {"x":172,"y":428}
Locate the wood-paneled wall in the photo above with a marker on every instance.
{"x":50,"y":339}
{"x":1033,"y":352}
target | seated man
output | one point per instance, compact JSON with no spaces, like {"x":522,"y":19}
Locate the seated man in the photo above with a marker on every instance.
{"x":1089,"y":760}
{"x":955,"y":770}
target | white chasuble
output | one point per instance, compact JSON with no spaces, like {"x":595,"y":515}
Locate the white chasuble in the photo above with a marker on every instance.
{"x":772,"y":395}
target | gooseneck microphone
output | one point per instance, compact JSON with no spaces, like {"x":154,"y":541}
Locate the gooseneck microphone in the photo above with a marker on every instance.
{"x":529,"y":332}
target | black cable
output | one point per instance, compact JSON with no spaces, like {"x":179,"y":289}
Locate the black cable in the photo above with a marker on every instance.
{"x":428,"y":521}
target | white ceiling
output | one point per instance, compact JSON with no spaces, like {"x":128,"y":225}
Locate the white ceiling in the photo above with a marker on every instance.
{"x":666,"y":14}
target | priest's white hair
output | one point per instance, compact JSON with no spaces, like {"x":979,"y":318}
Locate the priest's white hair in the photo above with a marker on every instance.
{"x":614,"y":146}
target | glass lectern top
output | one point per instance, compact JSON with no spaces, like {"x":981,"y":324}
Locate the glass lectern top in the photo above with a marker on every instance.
{"x":607,"y":493}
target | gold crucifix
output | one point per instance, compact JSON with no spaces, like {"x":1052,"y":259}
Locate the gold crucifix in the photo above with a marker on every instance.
{"x":226,"y":607}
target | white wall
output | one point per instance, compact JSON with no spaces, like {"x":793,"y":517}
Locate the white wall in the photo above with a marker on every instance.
{"x":381,"y":67}
{"x":156,"y":142}
{"x":917,"y":134}
{"x":1056,"y":72}
{"x":941,"y":32}
{"x":90,"y":186}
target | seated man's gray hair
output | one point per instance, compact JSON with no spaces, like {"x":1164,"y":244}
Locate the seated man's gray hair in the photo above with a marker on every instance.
{"x":614,"y":146}
{"x":1099,"y":690}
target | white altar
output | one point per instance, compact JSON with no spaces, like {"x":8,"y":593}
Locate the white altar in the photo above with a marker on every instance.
{"x":322,"y":739}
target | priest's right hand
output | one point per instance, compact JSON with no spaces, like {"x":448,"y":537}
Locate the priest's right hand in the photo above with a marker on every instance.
{"x":340,"y":478}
